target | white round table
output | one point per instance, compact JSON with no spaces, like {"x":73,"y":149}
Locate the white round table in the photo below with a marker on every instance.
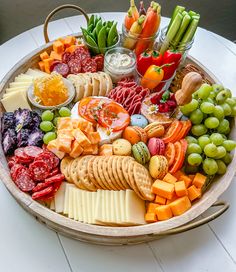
{"x":28,"y":246}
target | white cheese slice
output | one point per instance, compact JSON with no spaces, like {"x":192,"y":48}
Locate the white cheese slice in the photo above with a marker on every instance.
{"x":52,"y":205}
{"x":79,"y":205}
{"x":15,"y":89}
{"x":19,"y":84}
{"x":84,"y":202}
{"x":108,"y":206}
{"x":89,"y":206}
{"x":112,"y":208}
{"x":94,"y":195}
{"x":59,"y":198}
{"x":103,"y":206}
{"x":35,"y":73}
{"x":15,"y":101}
{"x":23,"y":77}
{"x":66,"y":199}
{"x":135,"y":208}
{"x":16,"y":93}
{"x":75,"y":206}
{"x":98,"y":207}
{"x":122,"y":207}
{"x":71,"y":202}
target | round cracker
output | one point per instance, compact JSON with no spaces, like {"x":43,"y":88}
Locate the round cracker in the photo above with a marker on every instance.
{"x":132,"y":179}
{"x":115,"y":172}
{"x":101,"y":174}
{"x":64,"y":167}
{"x":120,"y":172}
{"x":92,"y":165}
{"x":111,"y":174}
{"x":106,"y":174}
{"x":125,"y":164}
{"x":74,"y":173}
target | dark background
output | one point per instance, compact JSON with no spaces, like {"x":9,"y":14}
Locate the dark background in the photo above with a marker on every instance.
{"x":17,"y":16}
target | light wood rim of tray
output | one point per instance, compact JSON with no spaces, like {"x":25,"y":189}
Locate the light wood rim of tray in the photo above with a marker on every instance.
{"x":113,"y":235}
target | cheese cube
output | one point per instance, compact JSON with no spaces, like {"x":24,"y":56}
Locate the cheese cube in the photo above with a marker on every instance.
{"x":76,"y":149}
{"x":64,"y":143}
{"x":81,"y":138}
{"x":94,"y":137}
{"x":52,"y":146}
{"x":85,"y":126}
{"x":106,"y":150}
{"x":64,"y":123}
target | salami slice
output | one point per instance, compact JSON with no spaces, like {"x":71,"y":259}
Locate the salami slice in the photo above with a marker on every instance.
{"x":33,"y":151}
{"x":12,"y":161}
{"x":75,"y":66}
{"x":49,"y":158}
{"x":62,"y":69}
{"x":24,"y":182}
{"x":66,"y":57}
{"x":89,"y":65}
{"x":48,"y":182}
{"x":53,"y":172}
{"x":15,"y":170}
{"x":39,"y":170}
{"x":100,"y":62}
{"x":41,"y":194}
{"x":82,"y":52}
{"x":55,"y":62}
{"x":21,"y":156}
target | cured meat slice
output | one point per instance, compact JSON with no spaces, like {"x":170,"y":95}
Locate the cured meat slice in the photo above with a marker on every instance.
{"x":66,"y":57}
{"x":41,"y":194}
{"x":100,"y":62}
{"x":75,"y":66}
{"x":54,"y":172}
{"x":48,"y":182}
{"x":62,"y":69}
{"x":21,"y":156}
{"x":89,"y":65}
{"x":15,"y":171}
{"x":48,"y":158}
{"x":39,"y":170}
{"x":33,"y":151}
{"x":24,"y":181}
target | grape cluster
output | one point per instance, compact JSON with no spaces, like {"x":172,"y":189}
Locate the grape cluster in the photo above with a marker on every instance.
{"x":49,"y":122}
{"x":209,"y":147}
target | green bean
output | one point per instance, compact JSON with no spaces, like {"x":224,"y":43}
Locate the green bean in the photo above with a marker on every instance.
{"x":102,"y":37}
{"x":91,"y":20}
{"x":112,"y":34}
{"x":98,"y":27}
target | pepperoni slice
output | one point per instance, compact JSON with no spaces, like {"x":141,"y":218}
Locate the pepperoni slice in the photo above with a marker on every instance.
{"x":39,"y":170}
{"x":89,"y":65}
{"x":24,"y":181}
{"x":54,"y":172}
{"x":48,"y":182}
{"x":75,"y":66}
{"x":12,"y":161}
{"x":100,"y":62}
{"x":66,"y":57}
{"x":62,"y":69}
{"x":39,"y":195}
{"x":21,"y":156}
{"x":50,"y":159}
{"x":33,"y":151}
{"x":55,"y":62}
{"x":15,"y":170}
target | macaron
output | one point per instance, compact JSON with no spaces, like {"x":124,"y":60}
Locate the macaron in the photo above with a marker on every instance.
{"x":121,"y":147}
{"x":135,"y":134}
{"x":155,"y":130}
{"x":141,"y":153}
{"x":138,"y":120}
{"x":156,"y":146}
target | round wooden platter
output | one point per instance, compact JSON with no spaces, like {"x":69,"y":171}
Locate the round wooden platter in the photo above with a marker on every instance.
{"x":114,"y":235}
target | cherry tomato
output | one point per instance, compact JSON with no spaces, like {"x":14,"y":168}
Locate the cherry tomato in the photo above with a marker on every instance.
{"x":114,"y":116}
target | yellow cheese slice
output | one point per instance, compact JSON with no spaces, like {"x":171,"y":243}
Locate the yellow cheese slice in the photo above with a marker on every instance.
{"x":84,"y":203}
{"x":71,"y":202}
{"x":75,"y":206}
{"x":89,"y":206}
{"x":14,"y":101}
{"x":122,"y":206}
{"x":66,"y":198}
{"x":79,"y":205}
{"x":59,"y":198}
{"x":19,"y":84}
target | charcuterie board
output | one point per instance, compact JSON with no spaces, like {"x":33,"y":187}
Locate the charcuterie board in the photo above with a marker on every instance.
{"x":115,"y":234}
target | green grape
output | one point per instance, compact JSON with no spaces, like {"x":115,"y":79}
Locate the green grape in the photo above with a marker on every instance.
{"x":190,"y":169}
{"x":203,"y":141}
{"x":227,"y":158}
{"x":46,"y":126}
{"x":233,"y":111}
{"x":227,"y":109}
{"x":223,"y":126}
{"x":221,"y":97}
{"x":217,"y":88}
{"x":64,"y":112}
{"x":198,"y":130}
{"x":47,"y":115}
{"x":210,"y":166}
{"x":193,"y":105}
{"x":204,"y":91}
{"x":211,"y":122}
{"x":212,"y":95}
{"x":220,"y":153}
{"x":218,"y":112}
{"x":194,"y":148}
{"x":229,"y":93}
{"x":207,"y":107}
{"x":196,"y":117}
{"x":216,"y":138}
{"x":209,"y":100}
{"x":210,"y":150}
{"x":229,"y":145}
{"x":231,"y":102}
{"x":224,"y":136}
{"x":55,"y":121}
{"x":49,"y":136}
{"x":221,"y":167}
{"x":191,"y":139}
{"x":227,"y":131}
{"x":194,"y":159}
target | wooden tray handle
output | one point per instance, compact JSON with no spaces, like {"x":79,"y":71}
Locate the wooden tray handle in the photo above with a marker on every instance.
{"x":45,"y":26}
{"x":192,"y":225}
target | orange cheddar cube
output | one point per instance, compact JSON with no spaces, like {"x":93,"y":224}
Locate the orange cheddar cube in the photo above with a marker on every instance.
{"x":178,"y":174}
{"x":88,"y":150}
{"x":76,"y":150}
{"x":187,"y":180}
{"x":151,"y":207}
{"x":194,"y":193}
{"x":42,"y":66}
{"x":150,"y":217}
{"x":47,"y":63}
{"x":55,"y":56}
{"x":71,"y":49}
{"x":64,"y":143}
{"x":64,"y":123}
{"x":160,"y":200}
{"x":58,"y":47}
{"x":163,"y":212}
{"x":94,"y":137}
{"x":75,"y":123}
{"x":199,"y":180}
{"x":95,"y":149}
{"x":180,"y":188}
{"x":168,"y":201}
{"x":53,"y":147}
{"x":44,"y":55}
{"x":180,"y":205}
{"x":68,"y":41}
{"x":66,"y":132}
{"x":81,"y":138}
{"x":163,"y":189}
{"x":85,"y":126}
{"x":191,"y":177}
{"x":105,"y":150}
{"x":169,"y":178}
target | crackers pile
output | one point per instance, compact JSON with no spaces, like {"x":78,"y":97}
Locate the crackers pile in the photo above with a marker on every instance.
{"x":91,"y":84}
{"x":108,"y":173}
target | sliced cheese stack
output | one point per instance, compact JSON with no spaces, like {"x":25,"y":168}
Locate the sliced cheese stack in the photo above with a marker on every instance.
{"x":121,"y":208}
{"x":16,"y":96}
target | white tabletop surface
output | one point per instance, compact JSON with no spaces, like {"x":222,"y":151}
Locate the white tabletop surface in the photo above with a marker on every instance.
{"x":29,"y":246}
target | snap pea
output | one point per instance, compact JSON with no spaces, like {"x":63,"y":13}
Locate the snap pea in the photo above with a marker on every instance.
{"x":91,"y":20}
{"x":92,"y":44}
{"x":107,"y":30}
{"x":96,"y":19}
{"x":102,"y":37}
{"x":94,"y":33}
{"x":98,"y":27}
{"x":90,"y":28}
{"x":84,"y":32}
{"x":110,"y":23}
{"x":112,"y":34}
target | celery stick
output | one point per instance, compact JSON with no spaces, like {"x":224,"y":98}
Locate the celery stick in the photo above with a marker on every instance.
{"x":172,"y":32}
{"x":184,"y":13}
{"x":185,"y":23}
{"x":188,"y":36}
{"x":192,"y":13}
{"x":175,"y":12}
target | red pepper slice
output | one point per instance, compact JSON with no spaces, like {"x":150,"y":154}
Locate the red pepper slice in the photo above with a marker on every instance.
{"x":144,"y":60}
{"x":171,"y":56}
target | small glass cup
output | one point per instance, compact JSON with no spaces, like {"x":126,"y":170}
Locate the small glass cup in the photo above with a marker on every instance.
{"x":183,"y":48}
{"x":130,"y":41}
{"x":95,"y":50}
{"x":117,"y":73}
{"x":164,"y":85}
